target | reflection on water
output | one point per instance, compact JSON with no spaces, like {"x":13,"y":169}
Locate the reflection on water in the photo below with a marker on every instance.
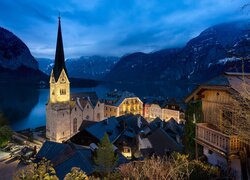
{"x":25,"y":107}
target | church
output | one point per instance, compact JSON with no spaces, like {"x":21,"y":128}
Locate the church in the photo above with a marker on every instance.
{"x":65,"y":112}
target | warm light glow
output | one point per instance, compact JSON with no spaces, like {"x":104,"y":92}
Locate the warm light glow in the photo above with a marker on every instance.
{"x":60,"y":90}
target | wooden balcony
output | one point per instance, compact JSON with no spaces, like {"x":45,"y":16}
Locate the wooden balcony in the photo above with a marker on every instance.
{"x":207,"y":135}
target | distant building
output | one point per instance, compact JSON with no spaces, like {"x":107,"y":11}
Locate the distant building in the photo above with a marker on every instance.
{"x":119,"y":103}
{"x":65,"y":112}
{"x":220,"y":144}
{"x":161,"y":109}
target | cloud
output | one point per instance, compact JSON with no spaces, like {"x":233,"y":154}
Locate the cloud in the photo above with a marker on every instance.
{"x":113,"y":27}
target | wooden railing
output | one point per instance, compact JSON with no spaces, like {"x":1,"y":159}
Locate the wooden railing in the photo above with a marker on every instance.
{"x":227,"y":144}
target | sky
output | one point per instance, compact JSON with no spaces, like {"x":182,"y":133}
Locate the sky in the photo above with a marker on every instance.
{"x":113,"y":27}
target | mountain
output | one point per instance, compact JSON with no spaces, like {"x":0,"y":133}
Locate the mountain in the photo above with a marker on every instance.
{"x":16,"y":62}
{"x":14,"y":53}
{"x":89,"y":67}
{"x":217,"y":49}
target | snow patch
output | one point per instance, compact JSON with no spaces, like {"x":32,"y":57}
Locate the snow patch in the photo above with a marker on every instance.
{"x":225,"y":60}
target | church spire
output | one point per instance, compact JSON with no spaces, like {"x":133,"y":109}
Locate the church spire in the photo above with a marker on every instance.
{"x":59,"y":57}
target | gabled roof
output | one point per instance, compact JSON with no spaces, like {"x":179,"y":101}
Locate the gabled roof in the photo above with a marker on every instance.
{"x":86,"y":96}
{"x":229,"y":82}
{"x":59,"y":57}
{"x":108,"y":126}
{"x":172,"y":126}
{"x":162,"y":143}
{"x":65,"y":156}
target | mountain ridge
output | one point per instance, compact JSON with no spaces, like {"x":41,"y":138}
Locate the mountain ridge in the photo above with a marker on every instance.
{"x":197,"y":61}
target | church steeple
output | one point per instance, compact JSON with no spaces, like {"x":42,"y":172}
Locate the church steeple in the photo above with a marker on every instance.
{"x":59,"y":81}
{"x":59,"y":57}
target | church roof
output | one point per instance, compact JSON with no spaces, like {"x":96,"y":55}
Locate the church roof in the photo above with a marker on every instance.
{"x":59,"y":57}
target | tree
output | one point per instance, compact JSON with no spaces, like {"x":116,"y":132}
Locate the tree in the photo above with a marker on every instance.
{"x":105,"y":159}
{"x":237,"y":118}
{"x":5,"y":135}
{"x":37,"y":171}
{"x":76,"y":174}
{"x":194,"y":115}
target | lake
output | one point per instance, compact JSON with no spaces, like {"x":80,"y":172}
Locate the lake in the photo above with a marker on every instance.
{"x":24,"y":107}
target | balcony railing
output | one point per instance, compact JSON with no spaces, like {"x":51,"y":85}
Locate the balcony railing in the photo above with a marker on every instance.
{"x":225,"y":143}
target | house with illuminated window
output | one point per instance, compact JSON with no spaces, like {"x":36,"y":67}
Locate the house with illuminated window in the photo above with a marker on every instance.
{"x":216,"y":134}
{"x":119,"y":103}
{"x":65,"y":112}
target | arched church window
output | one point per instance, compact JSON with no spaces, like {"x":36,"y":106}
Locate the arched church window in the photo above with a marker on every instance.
{"x":75,"y":125}
{"x":62,"y":91}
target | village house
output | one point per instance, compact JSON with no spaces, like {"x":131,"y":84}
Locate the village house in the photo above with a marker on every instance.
{"x":221,"y":145}
{"x":119,"y":103}
{"x":161,"y":109}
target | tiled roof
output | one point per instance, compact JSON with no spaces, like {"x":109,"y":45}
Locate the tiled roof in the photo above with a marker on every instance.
{"x":108,"y":126}
{"x":65,"y":156}
{"x":50,"y":149}
{"x":162,"y":143}
{"x":91,"y":96}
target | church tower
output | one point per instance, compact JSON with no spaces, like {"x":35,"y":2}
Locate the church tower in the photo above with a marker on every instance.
{"x":58,"y":107}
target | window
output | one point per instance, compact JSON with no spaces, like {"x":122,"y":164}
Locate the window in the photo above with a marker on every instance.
{"x":98,"y":105}
{"x":126,"y":150}
{"x":62,"y":91}
{"x":75,"y":108}
{"x":75,"y":125}
{"x":98,"y":116}
{"x":87,"y":106}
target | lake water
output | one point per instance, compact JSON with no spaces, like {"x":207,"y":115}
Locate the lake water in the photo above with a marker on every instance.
{"x":24,"y":107}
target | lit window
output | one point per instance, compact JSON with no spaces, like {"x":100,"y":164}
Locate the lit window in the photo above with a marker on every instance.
{"x":62,"y":91}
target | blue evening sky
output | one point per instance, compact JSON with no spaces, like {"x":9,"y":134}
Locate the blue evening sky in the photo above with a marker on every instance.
{"x":113,"y":27}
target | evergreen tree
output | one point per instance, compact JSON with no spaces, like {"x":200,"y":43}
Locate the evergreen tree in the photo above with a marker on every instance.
{"x":105,"y":159}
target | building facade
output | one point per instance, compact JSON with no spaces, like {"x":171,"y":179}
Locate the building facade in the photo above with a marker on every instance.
{"x":161,"y":110}
{"x":122,"y":103}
